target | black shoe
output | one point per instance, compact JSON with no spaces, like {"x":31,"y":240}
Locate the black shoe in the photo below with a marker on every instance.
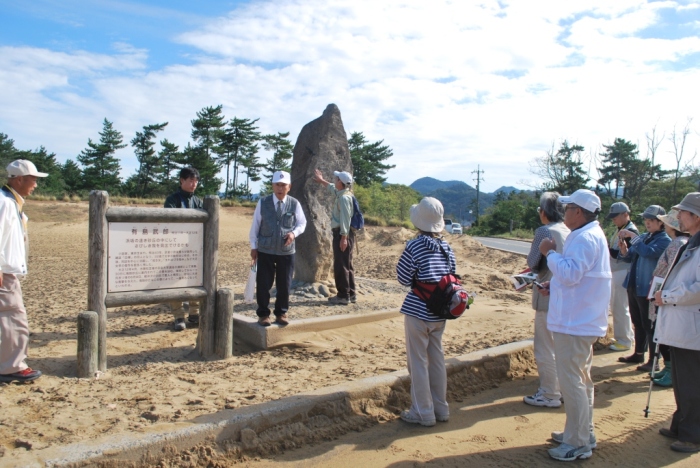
{"x":193,"y":319}
{"x":26,"y":375}
{"x":632,"y":358}
{"x":668,"y":433}
{"x":353,"y":298}
{"x":647,"y":367}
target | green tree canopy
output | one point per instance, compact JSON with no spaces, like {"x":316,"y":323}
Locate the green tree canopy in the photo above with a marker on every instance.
{"x":367,"y":159}
{"x":238,"y":140}
{"x":149,"y":161}
{"x":100,"y":166}
{"x":562,"y":171}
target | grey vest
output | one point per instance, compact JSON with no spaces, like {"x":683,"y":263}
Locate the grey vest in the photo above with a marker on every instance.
{"x":559,"y":233}
{"x":273,"y":228}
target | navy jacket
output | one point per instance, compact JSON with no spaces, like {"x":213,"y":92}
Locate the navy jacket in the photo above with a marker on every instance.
{"x":644,"y":253}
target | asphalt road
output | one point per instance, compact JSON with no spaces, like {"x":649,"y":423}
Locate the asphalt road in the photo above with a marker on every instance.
{"x":508,"y":245}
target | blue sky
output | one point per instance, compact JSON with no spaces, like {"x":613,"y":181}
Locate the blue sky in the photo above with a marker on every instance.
{"x":449,"y":85}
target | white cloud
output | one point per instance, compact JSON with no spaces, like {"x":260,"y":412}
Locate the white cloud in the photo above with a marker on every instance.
{"x":447,"y":84}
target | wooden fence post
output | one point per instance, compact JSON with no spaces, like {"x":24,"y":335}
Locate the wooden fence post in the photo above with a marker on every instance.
{"x":224,"y":323}
{"x":87,"y":344}
{"x":97,"y":269}
{"x":207,"y":320}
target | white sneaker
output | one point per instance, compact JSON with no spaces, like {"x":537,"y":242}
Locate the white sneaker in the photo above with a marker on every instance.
{"x":558,"y":437}
{"x":566,"y":452}
{"x":411,"y":418}
{"x":538,"y":399}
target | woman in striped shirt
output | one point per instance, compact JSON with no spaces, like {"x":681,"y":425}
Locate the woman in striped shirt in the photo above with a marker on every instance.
{"x":427,"y":258}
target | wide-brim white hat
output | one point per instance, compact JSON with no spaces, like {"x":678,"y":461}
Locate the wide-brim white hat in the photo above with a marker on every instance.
{"x":427,"y":215}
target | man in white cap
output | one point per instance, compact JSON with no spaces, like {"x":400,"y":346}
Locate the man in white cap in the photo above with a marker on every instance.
{"x":619,"y":304}
{"x":343,"y":236}
{"x":578,"y":309}
{"x":14,"y":327}
{"x":278,"y":220}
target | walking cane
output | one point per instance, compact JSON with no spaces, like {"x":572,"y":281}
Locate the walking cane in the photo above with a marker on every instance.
{"x":651,"y":382}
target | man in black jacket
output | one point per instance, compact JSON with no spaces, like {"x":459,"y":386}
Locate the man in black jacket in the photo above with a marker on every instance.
{"x":185,"y":198}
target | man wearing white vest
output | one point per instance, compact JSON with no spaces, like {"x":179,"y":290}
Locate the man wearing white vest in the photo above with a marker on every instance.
{"x":14,"y":327}
{"x":578,"y":315}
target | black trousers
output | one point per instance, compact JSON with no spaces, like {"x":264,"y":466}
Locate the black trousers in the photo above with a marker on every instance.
{"x":343,"y":271}
{"x":277,"y":268}
{"x":643,"y":328}
{"x":686,"y":388}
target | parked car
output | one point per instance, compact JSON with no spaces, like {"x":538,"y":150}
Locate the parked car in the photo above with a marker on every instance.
{"x":448,"y":224}
{"x":456,"y":228}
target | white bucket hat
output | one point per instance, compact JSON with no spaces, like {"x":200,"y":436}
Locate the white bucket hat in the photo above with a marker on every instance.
{"x":427,"y":215}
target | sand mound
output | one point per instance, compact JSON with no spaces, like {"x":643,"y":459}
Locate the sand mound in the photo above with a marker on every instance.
{"x":394,"y":237}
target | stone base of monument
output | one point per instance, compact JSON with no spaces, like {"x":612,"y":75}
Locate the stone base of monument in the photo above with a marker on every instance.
{"x":247,"y":330}
{"x":308,"y":417}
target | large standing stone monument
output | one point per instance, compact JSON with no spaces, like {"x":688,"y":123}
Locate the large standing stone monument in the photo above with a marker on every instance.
{"x":322,"y":145}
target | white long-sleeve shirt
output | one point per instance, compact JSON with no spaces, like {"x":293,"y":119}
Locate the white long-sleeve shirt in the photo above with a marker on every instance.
{"x":581,"y":282}
{"x":257,"y":218}
{"x":13,"y":251}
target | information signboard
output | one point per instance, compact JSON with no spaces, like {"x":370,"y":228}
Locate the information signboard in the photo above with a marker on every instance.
{"x":144,"y":256}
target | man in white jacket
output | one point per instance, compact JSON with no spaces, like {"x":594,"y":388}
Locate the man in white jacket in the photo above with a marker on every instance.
{"x":678,"y":326}
{"x":579,"y":297}
{"x":14,"y":328}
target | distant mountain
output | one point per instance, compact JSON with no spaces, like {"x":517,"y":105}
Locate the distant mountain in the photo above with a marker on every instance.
{"x":426,"y":185}
{"x":507,"y":190}
{"x":456,"y":197}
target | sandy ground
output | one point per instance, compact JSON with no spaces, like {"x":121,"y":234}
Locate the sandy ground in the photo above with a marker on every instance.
{"x":496,"y":429}
{"x":155,"y":377}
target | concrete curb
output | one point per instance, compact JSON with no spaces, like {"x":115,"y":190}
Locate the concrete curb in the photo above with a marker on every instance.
{"x":247,"y":330}
{"x":299,"y":415}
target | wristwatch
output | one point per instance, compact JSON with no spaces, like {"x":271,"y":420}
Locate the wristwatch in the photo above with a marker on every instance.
{"x":549,"y":252}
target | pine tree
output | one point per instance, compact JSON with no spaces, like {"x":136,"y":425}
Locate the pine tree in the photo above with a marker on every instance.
{"x":281,"y":148}
{"x":100,"y":167}
{"x":72,"y":177}
{"x":149,"y":160}
{"x":367,"y":159}
{"x":616,"y":158}
{"x":238,"y":137}
{"x":207,"y":130}
{"x":169,"y":155}
{"x":562,"y":171}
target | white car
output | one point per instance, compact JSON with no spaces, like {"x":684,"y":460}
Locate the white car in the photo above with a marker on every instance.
{"x":456,"y":228}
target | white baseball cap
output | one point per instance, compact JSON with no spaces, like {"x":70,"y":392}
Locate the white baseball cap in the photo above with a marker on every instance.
{"x":22,"y":167}
{"x":344,"y":177}
{"x":281,"y":176}
{"x":586,"y":199}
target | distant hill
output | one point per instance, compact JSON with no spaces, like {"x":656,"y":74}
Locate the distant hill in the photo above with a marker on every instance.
{"x":507,"y":190}
{"x":426,"y":185}
{"x":458,"y":197}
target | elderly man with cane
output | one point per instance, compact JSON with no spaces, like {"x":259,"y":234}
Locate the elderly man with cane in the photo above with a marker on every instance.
{"x":678,"y":326}
{"x":578,"y":309}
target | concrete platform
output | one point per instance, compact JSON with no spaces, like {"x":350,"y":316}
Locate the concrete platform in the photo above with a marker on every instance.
{"x":247,"y":330}
{"x":302,"y":418}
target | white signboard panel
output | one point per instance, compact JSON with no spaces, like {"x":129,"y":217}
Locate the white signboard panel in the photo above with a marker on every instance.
{"x":146,"y":256}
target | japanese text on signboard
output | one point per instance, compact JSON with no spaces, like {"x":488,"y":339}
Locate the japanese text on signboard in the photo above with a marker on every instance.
{"x":145,"y":256}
